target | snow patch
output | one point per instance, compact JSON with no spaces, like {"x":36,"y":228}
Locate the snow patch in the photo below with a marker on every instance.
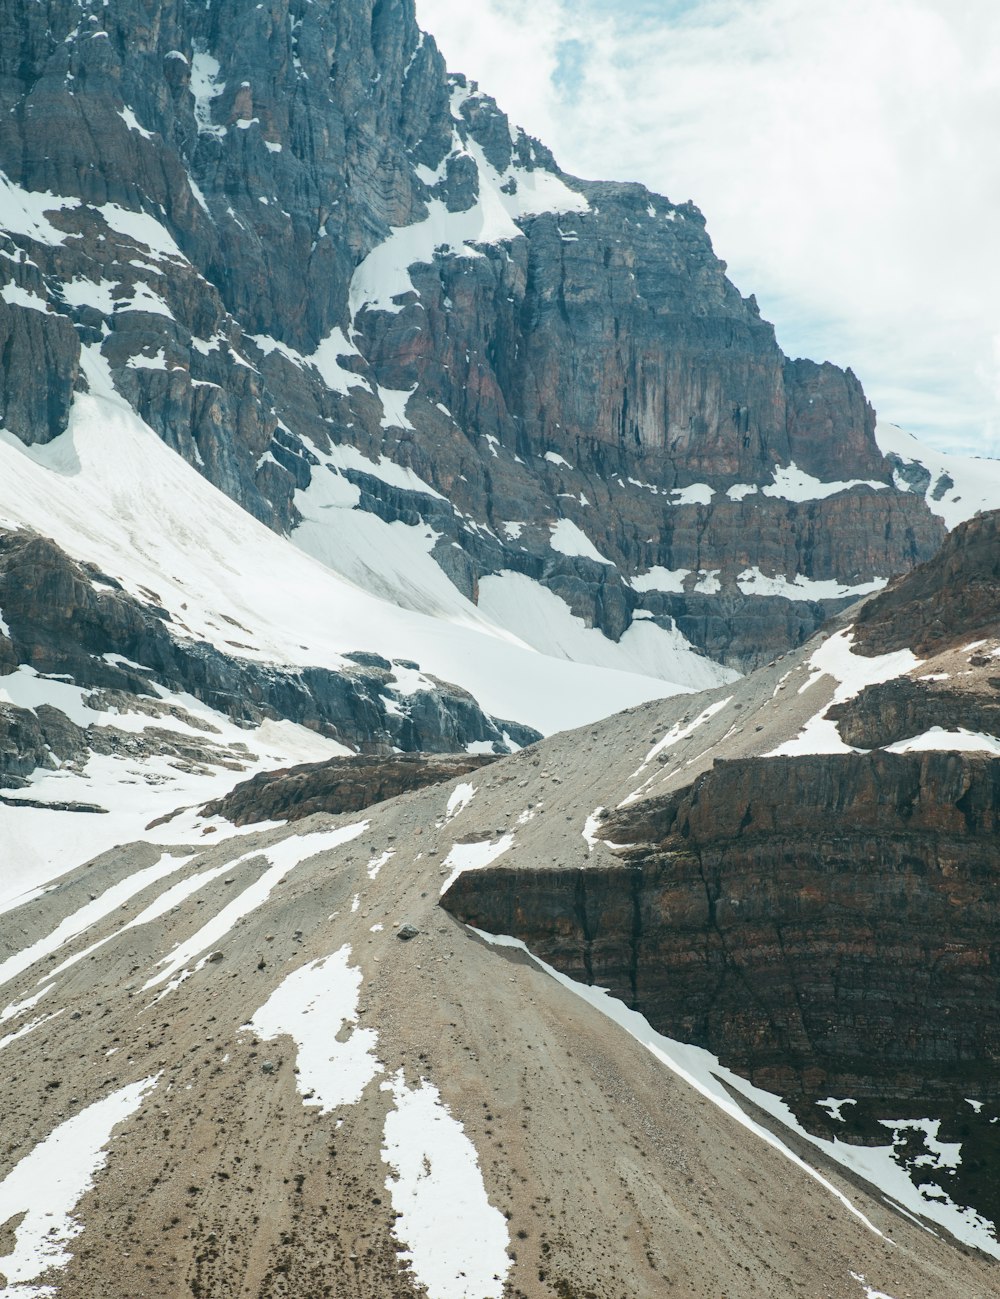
{"x":205,"y":87}
{"x":852,"y":672}
{"x":87,"y":916}
{"x":959,"y":486}
{"x":283,"y":856}
{"x":961,"y":741}
{"x":458,"y":800}
{"x":753,"y":582}
{"x":695,"y":494}
{"x":793,"y":484}
{"x":313,"y":1005}
{"x":542,"y":619}
{"x":47,"y":1184}
{"x":661,"y":579}
{"x":473,"y":857}
{"x":456,"y":1241}
{"x":591,"y":827}
{"x":568,"y":539}
{"x":681,"y":730}
{"x":15,"y":296}
{"x":24,"y":212}
{"x":132,"y":122}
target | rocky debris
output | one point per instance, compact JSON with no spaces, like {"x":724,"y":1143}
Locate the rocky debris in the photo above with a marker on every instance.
{"x":406,"y":932}
{"x":338,"y":785}
{"x":952,"y":598}
{"x":217,"y":179}
{"x":614,"y":1176}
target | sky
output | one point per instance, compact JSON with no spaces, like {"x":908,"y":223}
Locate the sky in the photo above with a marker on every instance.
{"x":844,"y":154}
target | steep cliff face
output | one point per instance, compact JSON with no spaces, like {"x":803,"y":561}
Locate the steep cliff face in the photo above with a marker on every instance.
{"x":286,"y":231}
{"x":828,"y":925}
{"x":824,"y":923}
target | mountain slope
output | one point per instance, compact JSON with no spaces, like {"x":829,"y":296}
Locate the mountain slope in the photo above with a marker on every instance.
{"x":290,"y":1071}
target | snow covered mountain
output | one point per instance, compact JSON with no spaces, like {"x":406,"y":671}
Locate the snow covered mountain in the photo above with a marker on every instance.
{"x":339,"y":426}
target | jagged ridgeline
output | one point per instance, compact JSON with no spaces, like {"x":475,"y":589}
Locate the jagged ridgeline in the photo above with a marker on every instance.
{"x":338,"y":282}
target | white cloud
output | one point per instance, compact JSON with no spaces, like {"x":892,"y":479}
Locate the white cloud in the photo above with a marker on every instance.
{"x":844,"y":156}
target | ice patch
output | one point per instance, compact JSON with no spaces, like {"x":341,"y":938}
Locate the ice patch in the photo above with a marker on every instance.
{"x":870,"y":1291}
{"x":376,"y":863}
{"x":142,"y":228}
{"x":384,"y":273}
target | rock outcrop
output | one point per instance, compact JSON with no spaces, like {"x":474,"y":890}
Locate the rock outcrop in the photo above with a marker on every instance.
{"x":828,"y":926}
{"x":337,"y":786}
{"x":953,"y":597}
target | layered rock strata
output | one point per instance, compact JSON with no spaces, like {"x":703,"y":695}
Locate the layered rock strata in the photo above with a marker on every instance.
{"x":828,"y":925}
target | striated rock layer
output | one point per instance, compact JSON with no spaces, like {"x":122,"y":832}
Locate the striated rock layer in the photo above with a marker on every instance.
{"x":824,"y":923}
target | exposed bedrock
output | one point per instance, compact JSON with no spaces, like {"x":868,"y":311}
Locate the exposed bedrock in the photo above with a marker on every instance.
{"x":827,"y":925}
{"x":896,"y":710}
{"x":338,"y":785}
{"x":952,"y":597}
{"x":67,"y":619}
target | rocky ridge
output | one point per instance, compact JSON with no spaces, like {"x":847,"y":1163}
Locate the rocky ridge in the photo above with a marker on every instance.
{"x":337,"y":786}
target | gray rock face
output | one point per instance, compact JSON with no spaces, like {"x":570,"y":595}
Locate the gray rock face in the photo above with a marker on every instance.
{"x":68,"y":620}
{"x":218,"y":174}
